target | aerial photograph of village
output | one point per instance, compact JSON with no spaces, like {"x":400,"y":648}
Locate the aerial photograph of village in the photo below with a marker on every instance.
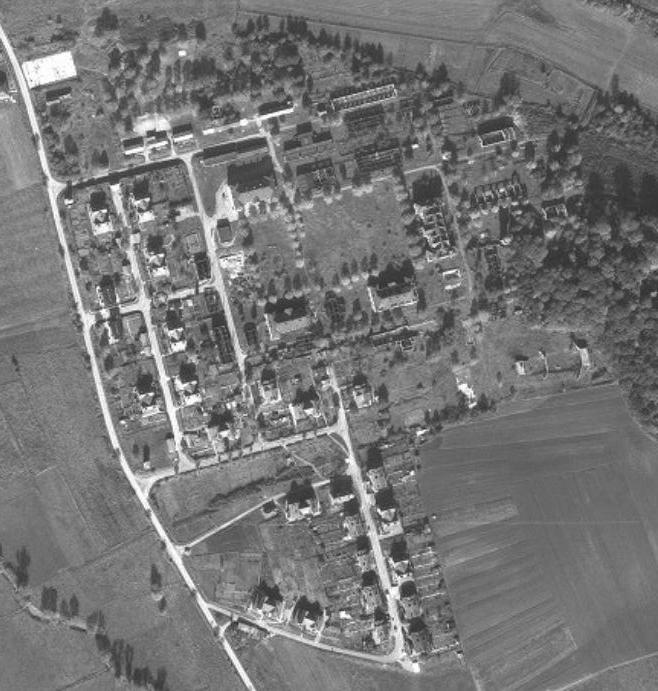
{"x":329,"y":345}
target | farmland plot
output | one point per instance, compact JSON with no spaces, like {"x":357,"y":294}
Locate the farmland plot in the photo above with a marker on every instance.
{"x":546,"y":523}
{"x":277,"y":663}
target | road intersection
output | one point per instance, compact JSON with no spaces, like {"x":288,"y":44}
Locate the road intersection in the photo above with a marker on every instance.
{"x":142,"y":484}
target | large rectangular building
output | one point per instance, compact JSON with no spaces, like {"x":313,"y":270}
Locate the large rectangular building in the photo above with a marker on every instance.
{"x":49,"y":69}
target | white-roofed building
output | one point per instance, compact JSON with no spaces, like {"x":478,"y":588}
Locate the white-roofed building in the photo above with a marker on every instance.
{"x":49,"y":69}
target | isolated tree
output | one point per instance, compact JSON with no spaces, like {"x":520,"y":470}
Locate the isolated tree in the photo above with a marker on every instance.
{"x":64,"y":608}
{"x":200,"y":31}
{"x":156,"y":578}
{"x":21,"y":568}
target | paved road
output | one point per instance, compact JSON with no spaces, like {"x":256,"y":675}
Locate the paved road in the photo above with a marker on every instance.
{"x":277,"y":631}
{"x":54,"y":188}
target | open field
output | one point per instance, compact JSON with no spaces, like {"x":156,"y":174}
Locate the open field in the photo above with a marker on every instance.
{"x":32,"y":287}
{"x":63,"y":496}
{"x":547,"y":528}
{"x":58,"y":656}
{"x":118,"y":584}
{"x":196,"y":502}
{"x":284,"y":665}
{"x":588,"y":42}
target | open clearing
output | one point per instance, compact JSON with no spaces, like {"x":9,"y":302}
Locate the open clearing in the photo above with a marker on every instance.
{"x":547,"y":524}
{"x":284,"y":665}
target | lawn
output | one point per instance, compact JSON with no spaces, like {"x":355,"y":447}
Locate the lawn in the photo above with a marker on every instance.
{"x":342,"y":236}
{"x":547,"y":525}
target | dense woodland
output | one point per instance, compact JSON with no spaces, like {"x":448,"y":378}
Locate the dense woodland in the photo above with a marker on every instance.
{"x":597,"y":272}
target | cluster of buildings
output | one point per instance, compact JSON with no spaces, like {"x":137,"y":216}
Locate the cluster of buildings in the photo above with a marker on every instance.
{"x":300,"y":403}
{"x":491,"y":197}
{"x":156,"y":144}
{"x":200,"y":361}
{"x":97,"y":239}
{"x":414,"y":568}
{"x":356,"y":613}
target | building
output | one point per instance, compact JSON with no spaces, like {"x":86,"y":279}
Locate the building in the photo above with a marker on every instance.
{"x":301,"y":502}
{"x":371,"y":597}
{"x":309,"y":616}
{"x":49,"y":69}
{"x":275,"y":109}
{"x":157,"y":140}
{"x":399,"y":561}
{"x":418,"y":638}
{"x":58,"y":95}
{"x":355,"y":97}
{"x":267,"y":602}
{"x":133,"y":146}
{"x":352,"y":521}
{"x":409,"y":600}
{"x":99,"y":215}
{"x":182,"y":134}
{"x":340,"y":489}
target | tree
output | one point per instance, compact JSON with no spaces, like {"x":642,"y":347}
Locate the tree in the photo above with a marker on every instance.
{"x":156,"y":578}
{"x":74,"y":606}
{"x":200,"y":31}
{"x":64,"y":609}
{"x":21,"y":568}
{"x":70,"y":147}
{"x":623,"y":181}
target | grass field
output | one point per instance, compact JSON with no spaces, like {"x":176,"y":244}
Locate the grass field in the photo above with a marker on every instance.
{"x":288,"y":666}
{"x":547,"y":527}
{"x":62,"y":493}
{"x":32,"y":287}
{"x":196,"y":502}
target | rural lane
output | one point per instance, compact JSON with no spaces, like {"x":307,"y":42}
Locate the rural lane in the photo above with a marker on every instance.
{"x":54,"y":188}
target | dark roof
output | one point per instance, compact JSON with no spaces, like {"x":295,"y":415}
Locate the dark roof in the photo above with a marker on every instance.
{"x":284,"y":310}
{"x":340,"y":486}
{"x":157,"y":135}
{"x":234,"y":148}
{"x":183,"y":128}
{"x":495,"y":124}
{"x":374,"y":458}
{"x":399,"y":551}
{"x":368,"y":579}
{"x":385,"y":499}
{"x":253,"y":175}
{"x":173,"y":319}
{"x":132,"y":141}
{"x":300,"y":494}
{"x":224,"y":230}
{"x":98,"y":200}
{"x":274,"y":106}
{"x":54,"y":94}
{"x":351,"y":507}
{"x":408,"y":589}
{"x":304,"y":128}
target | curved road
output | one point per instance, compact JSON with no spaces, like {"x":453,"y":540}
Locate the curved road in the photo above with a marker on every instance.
{"x":54,"y":188}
